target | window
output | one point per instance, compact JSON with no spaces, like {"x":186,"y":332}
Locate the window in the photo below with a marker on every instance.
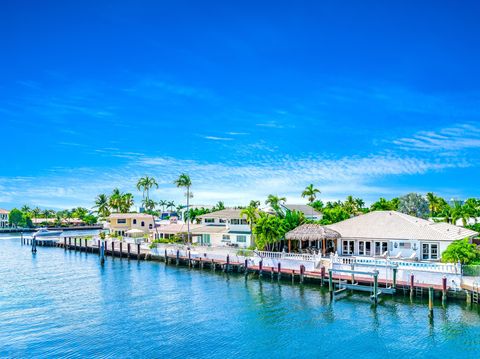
{"x":429,"y":251}
{"x":222,"y":220}
{"x":150,"y":226}
{"x":235,"y":221}
{"x":361,"y":248}
{"x":243,"y":221}
{"x":225,"y":238}
{"x":205,"y":239}
{"x":368,"y":248}
{"x":209,"y":220}
{"x":121,"y":221}
{"x":143,"y":224}
{"x":241,"y":239}
{"x":134,"y":221}
{"x":381,"y":248}
{"x":348,"y":247}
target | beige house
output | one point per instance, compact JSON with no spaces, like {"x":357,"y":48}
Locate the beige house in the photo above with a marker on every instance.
{"x":120,"y":223}
{"x":4,"y":218}
{"x":397,"y":235}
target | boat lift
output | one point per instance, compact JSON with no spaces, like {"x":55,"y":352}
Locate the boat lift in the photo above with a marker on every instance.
{"x":343,"y":285}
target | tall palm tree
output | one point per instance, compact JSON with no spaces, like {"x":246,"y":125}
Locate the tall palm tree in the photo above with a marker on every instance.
{"x":146,"y":183}
{"x":102,"y":205}
{"x":184,"y":181}
{"x":25,"y":209}
{"x":310,"y":193}
{"x":254,"y":203}
{"x":36,"y":212}
{"x":433,"y":203}
{"x":274,"y":202}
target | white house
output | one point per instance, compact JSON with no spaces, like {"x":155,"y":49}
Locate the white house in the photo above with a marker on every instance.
{"x":395,"y":234}
{"x":308,"y":211}
{"x":4,"y":218}
{"x":219,"y":229}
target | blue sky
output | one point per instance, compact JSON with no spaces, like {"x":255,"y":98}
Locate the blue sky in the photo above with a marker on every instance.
{"x":250,"y":98}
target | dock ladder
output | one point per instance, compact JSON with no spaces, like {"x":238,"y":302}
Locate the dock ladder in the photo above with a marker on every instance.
{"x":475,"y":293}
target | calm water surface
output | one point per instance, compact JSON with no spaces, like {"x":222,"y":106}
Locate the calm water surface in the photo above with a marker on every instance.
{"x":64,"y":304}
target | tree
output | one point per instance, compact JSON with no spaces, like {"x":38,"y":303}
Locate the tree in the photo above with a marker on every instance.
{"x":274,"y":202}
{"x":36,"y":212}
{"x":170,"y":205}
{"x":292,"y":220}
{"x":268,"y":230}
{"x":219,"y":206}
{"x":310,"y":193}
{"x":254,"y":203}
{"x":162,"y":203}
{"x":382,"y":205}
{"x":334,"y":215}
{"x":461,"y":251}
{"x":115,"y":200}
{"x":102,"y":205}
{"x":126,"y":202}
{"x":184,"y":181}
{"x":251,"y":214}
{"x":15,"y":218}
{"x":414,"y":204}
{"x":350,"y":205}
{"x":146,"y":183}
{"x":433,"y":203}
{"x":318,"y":205}
{"x":25,"y":209}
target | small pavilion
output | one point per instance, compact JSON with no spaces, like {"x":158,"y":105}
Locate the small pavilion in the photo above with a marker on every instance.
{"x":320,"y":236}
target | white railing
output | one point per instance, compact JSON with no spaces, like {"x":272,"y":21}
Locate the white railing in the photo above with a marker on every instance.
{"x":289,"y":256}
{"x":421,"y":266}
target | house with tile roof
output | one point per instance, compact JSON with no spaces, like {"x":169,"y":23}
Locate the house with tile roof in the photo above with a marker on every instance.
{"x":397,"y":235}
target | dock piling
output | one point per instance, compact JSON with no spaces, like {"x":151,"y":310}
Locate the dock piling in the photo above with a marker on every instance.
{"x":64,"y":243}
{"x":430,"y":301}
{"x":394,"y":280}
{"x":444,"y":290}
{"x":412,"y":279}
{"x":138,"y":251}
{"x":102,"y":253}
{"x":302,"y":273}
{"x":330,"y":282}
{"x":113,"y":249}
{"x":322,"y":275}
{"x":279,"y":270}
{"x":227,"y":265}
{"x":177,"y":261}
{"x":260,"y":268}
{"x":375,"y":287}
{"x":246,"y":268}
{"x":121,"y":250}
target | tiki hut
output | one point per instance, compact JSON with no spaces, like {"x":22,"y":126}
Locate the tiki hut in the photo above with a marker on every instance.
{"x":324,"y":238}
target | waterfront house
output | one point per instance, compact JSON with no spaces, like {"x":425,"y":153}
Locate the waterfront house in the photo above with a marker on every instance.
{"x":396,"y":235}
{"x":308,"y":211}
{"x":120,"y":223}
{"x":4,"y":218}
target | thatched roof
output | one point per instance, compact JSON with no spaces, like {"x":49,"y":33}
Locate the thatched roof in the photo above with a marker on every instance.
{"x":312,"y":232}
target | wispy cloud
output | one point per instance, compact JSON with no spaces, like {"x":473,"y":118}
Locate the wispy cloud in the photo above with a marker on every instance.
{"x":216,"y":138}
{"x":457,"y":137}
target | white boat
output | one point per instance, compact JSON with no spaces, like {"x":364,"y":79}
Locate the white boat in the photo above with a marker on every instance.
{"x":43,"y":232}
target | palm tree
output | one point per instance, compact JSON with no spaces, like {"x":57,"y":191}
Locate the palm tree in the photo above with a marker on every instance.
{"x":126,"y":202}
{"x":254,"y":203}
{"x":360,"y":203}
{"x":102,"y":205}
{"x":433,"y":203}
{"x":311,"y":193}
{"x":170,"y":205}
{"x":350,"y":205}
{"x":162,"y":203}
{"x":251,"y":214}
{"x":146,"y":183}
{"x":25,"y":209}
{"x":36,"y":212}
{"x":184,"y":181}
{"x":115,"y":200}
{"x":274,"y":202}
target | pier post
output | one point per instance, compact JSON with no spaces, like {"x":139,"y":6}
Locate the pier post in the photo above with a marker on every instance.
{"x":69,"y":242}
{"x":34,"y":245}
{"x":98,"y":243}
{"x":213,"y":267}
{"x":444,"y":290}
{"x":352,"y":267}
{"x":246,"y":268}
{"x":260,"y":268}
{"x":128,"y":250}
{"x":189,"y":259}
{"x":138,"y":251}
{"x":75,"y":243}
{"x":113,"y":249}
{"x":177,"y":261}
{"x":121,"y":248}
{"x":394,"y":281}
{"x":65,"y":243}
{"x":412,"y":279}
{"x":166,"y":259}
{"x":330,"y":282}
{"x":322,"y":275}
{"x":21,"y":238}
{"x":375,"y":287}
{"x":468,"y":296}
{"x":102,"y":253}
{"x":430,"y":301}
{"x":279,"y":269}
{"x":293,"y":276}
{"x":302,"y":272}
{"x":227,"y":265}
{"x":200,"y":263}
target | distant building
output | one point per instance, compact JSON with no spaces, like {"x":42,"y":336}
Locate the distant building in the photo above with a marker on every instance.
{"x":4,"y":218}
{"x":308,"y":211}
{"x":120,"y":223}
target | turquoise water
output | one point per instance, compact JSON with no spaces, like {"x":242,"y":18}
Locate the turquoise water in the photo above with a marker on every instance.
{"x":64,"y":304}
